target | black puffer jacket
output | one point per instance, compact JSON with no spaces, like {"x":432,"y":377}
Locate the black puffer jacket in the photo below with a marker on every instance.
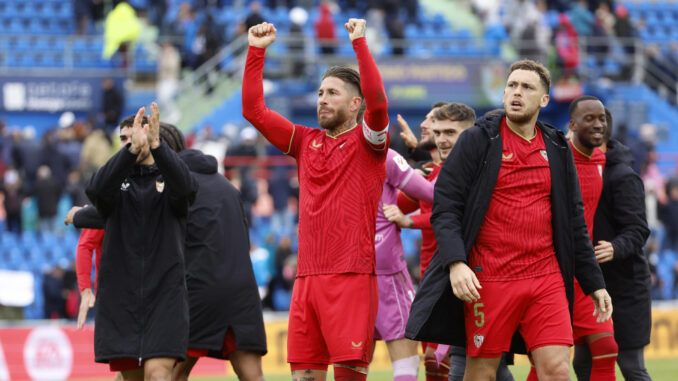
{"x":142,"y":306}
{"x":462,"y":195}
{"x":222,"y":290}
{"x":620,"y":219}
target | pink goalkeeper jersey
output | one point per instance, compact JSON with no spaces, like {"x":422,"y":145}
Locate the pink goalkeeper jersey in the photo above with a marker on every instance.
{"x":399,"y":175}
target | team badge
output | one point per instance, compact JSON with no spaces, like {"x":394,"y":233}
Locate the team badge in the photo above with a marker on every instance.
{"x":124,"y":186}
{"x":478,"y":340}
{"x":600,"y":170}
{"x":505,"y":157}
{"x":159,"y":186}
{"x":544,"y":154}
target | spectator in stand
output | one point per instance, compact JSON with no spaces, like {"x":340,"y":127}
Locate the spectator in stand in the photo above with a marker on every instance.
{"x":396,"y":34}
{"x":169,"y":71}
{"x":254,"y":16}
{"x":668,"y":214}
{"x":54,"y":292}
{"x":82,"y":10}
{"x":582,"y":19}
{"x":26,"y":155}
{"x":325,"y":29}
{"x":244,"y":156}
{"x":625,"y":32}
{"x":13,"y":198}
{"x":567,"y":46}
{"x":112,"y":104}
{"x":47,"y":191}
{"x":298,"y":18}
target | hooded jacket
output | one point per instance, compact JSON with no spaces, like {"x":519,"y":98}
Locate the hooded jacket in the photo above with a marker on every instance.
{"x":142,"y":307}
{"x":620,"y":219}
{"x":222,"y":289}
{"x":462,"y":195}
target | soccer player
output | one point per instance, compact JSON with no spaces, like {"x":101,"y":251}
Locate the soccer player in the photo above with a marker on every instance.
{"x":448,"y":122}
{"x":620,"y":233}
{"x":396,"y":291}
{"x":341,"y":175}
{"x":587,"y":126}
{"x":511,"y":234}
{"x":143,"y":193}
{"x":423,"y":151}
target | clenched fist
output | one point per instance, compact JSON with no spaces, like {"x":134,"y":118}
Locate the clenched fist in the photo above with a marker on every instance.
{"x":355,"y":28}
{"x":261,"y":35}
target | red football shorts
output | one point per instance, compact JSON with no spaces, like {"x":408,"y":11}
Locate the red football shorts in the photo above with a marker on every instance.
{"x":332,"y":318}
{"x":536,"y":306}
{"x":229,"y":347}
{"x":583,"y":321}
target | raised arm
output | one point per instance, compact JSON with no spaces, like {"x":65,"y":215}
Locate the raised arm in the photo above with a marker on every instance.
{"x":180,"y":183}
{"x":278,"y":130}
{"x":375,"y":125}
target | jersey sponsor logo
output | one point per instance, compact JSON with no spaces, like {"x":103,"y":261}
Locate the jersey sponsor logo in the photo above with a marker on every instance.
{"x":357,"y":345}
{"x":401,"y":163}
{"x":378,"y":238}
{"x":600,"y":170}
{"x":315,"y":145}
{"x":478,"y":340}
{"x":124,"y":186}
{"x":544,"y":154}
{"x":505,"y":157}
{"x":159,"y":186}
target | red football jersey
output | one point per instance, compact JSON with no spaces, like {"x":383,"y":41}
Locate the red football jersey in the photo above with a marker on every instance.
{"x":590,"y":174}
{"x":340,"y":178}
{"x":515,"y":240}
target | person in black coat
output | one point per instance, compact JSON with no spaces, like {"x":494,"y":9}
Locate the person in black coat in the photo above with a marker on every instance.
{"x":222,"y":291}
{"x":143,"y":193}
{"x":620,"y":231}
{"x":463,"y":193}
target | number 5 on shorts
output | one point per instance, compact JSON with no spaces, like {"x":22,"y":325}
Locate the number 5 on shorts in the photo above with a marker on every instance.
{"x":480,"y":315}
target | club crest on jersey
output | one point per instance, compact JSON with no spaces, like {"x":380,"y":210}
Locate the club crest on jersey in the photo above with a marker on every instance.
{"x":544,"y":154}
{"x":124,"y":186}
{"x":478,"y":340}
{"x":159,"y":186}
{"x":600,"y":170}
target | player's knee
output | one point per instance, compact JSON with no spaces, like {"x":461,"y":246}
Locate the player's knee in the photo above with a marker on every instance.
{"x":604,"y":346}
{"x":157,"y":373}
{"x":554,"y":370}
{"x":250,"y":373}
{"x":350,"y":371}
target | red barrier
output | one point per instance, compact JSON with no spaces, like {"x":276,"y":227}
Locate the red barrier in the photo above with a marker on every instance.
{"x":58,"y":352}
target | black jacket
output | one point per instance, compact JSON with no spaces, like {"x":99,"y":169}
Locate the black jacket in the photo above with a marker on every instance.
{"x":222,"y":291}
{"x":620,"y":219}
{"x":462,"y":195}
{"x":142,"y":307}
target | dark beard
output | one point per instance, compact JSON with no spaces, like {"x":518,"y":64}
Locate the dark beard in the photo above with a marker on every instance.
{"x":427,"y":145}
{"x":335,"y":122}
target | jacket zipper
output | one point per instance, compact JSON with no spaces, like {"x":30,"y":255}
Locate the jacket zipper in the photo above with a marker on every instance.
{"x":143,"y":257}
